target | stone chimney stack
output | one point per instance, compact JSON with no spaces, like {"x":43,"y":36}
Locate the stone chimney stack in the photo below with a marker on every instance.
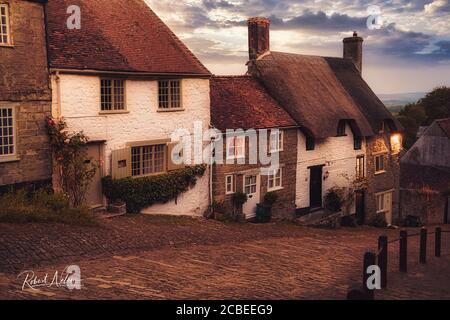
{"x":258,"y":37}
{"x":353,"y":50}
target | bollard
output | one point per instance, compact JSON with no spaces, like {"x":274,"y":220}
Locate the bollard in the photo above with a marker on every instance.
{"x":437,"y":242}
{"x":383,"y":259}
{"x":369,"y":260}
{"x":403,"y":251}
{"x":423,"y":245}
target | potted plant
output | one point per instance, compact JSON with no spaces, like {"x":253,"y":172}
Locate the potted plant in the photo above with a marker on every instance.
{"x":264,"y":210}
{"x":239,"y":198}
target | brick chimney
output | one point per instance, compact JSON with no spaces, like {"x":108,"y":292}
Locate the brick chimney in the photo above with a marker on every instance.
{"x":258,"y":37}
{"x":353,"y":50}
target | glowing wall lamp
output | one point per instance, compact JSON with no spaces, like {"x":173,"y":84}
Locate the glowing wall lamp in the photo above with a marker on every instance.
{"x":396,"y":142}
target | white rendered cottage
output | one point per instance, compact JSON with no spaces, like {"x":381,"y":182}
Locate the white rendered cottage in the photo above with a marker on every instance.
{"x":128,"y":83}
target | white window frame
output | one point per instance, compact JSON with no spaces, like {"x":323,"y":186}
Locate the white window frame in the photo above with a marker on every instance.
{"x":382,"y":156}
{"x":279,"y":136}
{"x":229,"y":185}
{"x":8,"y":26}
{"x":380,"y":197}
{"x":236,"y":147}
{"x":275,"y":176}
{"x":10,"y":156}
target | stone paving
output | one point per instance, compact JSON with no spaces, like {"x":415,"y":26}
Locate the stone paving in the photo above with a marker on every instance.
{"x":177,"y":258}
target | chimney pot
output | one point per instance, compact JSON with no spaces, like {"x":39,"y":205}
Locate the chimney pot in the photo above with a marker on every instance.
{"x":258,"y":36}
{"x":353,"y":50}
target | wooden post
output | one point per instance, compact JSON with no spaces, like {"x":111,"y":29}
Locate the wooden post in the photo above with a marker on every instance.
{"x":423,"y":245}
{"x":437,"y":242}
{"x":369,"y":260}
{"x":403,"y":251}
{"x":383,"y":259}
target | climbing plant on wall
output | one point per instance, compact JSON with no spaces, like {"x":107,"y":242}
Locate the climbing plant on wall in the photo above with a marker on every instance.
{"x":140,"y":193}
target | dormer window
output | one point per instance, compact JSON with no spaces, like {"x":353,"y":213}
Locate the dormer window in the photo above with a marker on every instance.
{"x":341,"y":129}
{"x":5,"y":36}
{"x":310,"y":143}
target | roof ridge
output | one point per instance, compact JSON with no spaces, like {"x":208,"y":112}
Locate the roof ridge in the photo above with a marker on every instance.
{"x":308,"y":55}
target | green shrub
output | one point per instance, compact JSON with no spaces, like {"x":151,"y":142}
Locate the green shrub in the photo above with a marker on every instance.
{"x":333,"y":200}
{"x":140,"y":193}
{"x":18,"y":207}
{"x":270,"y":198}
{"x":239,"y":198}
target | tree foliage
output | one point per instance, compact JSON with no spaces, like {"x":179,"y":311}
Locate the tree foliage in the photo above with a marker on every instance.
{"x":70,"y":154}
{"x":435,"y":105}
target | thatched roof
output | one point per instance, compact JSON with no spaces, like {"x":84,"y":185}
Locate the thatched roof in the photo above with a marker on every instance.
{"x":319,"y":92}
{"x":241,"y":102}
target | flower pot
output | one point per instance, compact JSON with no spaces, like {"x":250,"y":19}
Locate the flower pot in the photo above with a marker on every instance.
{"x":118,"y":208}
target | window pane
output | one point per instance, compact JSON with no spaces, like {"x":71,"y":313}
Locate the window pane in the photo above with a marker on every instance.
{"x":136,"y":161}
{"x":7,"y":142}
{"x":163,"y":94}
{"x":4,"y":25}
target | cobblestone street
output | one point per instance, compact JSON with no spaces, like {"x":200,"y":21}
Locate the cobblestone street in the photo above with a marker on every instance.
{"x":179,"y":258}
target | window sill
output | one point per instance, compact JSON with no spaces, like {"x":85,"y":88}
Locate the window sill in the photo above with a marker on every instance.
{"x":380,"y":172}
{"x":275,"y":151}
{"x":149,"y":175}
{"x":9,"y":159}
{"x":170,"y":110}
{"x":114,"y":112}
{"x":236,"y":158}
{"x":275,"y":189}
{"x":10,"y":46}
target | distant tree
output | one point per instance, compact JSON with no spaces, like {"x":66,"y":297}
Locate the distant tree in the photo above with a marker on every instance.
{"x":436,"y":104}
{"x":412,"y":116}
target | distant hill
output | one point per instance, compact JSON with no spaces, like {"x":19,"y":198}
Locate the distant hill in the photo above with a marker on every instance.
{"x":400,"y":99}
{"x":396,"y":101}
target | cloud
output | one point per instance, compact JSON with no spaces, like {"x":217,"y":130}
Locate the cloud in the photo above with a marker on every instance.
{"x":319,"y":21}
{"x":437,"y":6}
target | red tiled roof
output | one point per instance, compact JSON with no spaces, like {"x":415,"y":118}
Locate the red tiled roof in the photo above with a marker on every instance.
{"x":241,"y":102}
{"x":116,"y":35}
{"x":445,"y":126}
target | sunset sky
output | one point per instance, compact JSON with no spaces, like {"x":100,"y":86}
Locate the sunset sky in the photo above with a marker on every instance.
{"x":409,"y":53}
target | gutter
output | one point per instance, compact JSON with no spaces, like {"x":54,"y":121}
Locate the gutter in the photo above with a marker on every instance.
{"x":129,"y":73}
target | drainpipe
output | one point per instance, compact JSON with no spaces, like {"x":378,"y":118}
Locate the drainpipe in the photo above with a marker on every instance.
{"x":58,"y":95}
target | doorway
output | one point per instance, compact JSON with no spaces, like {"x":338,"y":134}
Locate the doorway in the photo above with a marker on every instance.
{"x":360,"y":196}
{"x":315,"y":187}
{"x":94,"y":196}
{"x":252,"y":190}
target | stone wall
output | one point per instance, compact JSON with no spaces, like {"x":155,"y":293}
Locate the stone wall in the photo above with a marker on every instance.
{"x":284,"y":208}
{"x":378,"y":183}
{"x":24,"y":85}
{"x":429,"y":205}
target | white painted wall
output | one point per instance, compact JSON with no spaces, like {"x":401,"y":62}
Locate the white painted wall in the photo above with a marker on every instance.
{"x":80,"y":106}
{"x":338,"y":156}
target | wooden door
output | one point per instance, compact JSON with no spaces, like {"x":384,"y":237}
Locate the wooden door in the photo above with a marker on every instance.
{"x":315,"y":187}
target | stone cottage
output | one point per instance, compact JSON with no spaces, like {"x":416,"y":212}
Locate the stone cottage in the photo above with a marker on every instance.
{"x":258,"y":124}
{"x":425,"y":176}
{"x":346,"y":135}
{"x":128,"y":82}
{"x":25,"y":97}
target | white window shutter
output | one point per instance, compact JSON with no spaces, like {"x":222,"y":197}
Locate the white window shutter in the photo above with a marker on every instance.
{"x":173,"y":154}
{"x":121,"y":163}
